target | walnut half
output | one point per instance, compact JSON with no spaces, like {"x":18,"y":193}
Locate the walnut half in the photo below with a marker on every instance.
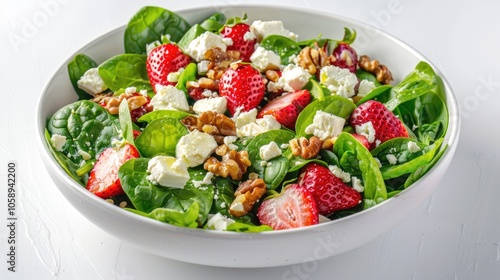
{"x":216,"y":124}
{"x":313,"y":59}
{"x":233,"y":163}
{"x":247,"y":194}
{"x":305,"y":148}
{"x":381,"y":71}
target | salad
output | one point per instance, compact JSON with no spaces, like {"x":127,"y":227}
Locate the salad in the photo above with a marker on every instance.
{"x":235,"y":125}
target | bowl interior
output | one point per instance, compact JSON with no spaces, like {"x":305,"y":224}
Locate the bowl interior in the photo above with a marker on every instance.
{"x":273,"y":248}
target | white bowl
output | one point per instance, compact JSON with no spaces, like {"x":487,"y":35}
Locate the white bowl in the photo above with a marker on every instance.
{"x":230,"y":249}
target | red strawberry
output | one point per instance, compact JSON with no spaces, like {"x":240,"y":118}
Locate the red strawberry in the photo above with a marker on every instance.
{"x":294,"y":207}
{"x":144,"y":109}
{"x":243,"y":86}
{"x":384,"y":122}
{"x":237,"y":34}
{"x":163,"y":60}
{"x":330,"y":192}
{"x":103,"y":179}
{"x":345,"y":57}
{"x":286,"y":108}
{"x":196,"y":93}
{"x":362,"y":139}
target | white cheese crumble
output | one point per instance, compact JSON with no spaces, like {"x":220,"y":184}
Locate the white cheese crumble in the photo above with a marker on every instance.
{"x":338,"y":80}
{"x":205,"y":42}
{"x":91,"y":82}
{"x":269,"y":151}
{"x":413,"y":147}
{"x":274,"y":27}
{"x":365,"y":87}
{"x":57,"y":141}
{"x":216,"y":104}
{"x":356,"y":184}
{"x":167,"y":171}
{"x":243,"y":118}
{"x":202,"y":67}
{"x":339,"y":173}
{"x":367,"y":130}
{"x":219,"y":222}
{"x":293,"y":78}
{"x":325,"y":125}
{"x":130,"y":90}
{"x":169,"y":98}
{"x":229,"y":140}
{"x":207,"y":180}
{"x":391,"y":159}
{"x":195,"y":147}
{"x":263,"y":59}
{"x":84,"y":155}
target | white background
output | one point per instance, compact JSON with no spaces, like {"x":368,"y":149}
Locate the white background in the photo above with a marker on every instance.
{"x":454,"y":235}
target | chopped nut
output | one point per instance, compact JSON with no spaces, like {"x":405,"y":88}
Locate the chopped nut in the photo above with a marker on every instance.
{"x":305,"y":148}
{"x":272,"y":75}
{"x":312,"y":59}
{"x":381,"y":72}
{"x":206,"y":83}
{"x":113,"y":105}
{"x":213,"y":123}
{"x":136,"y":102}
{"x":233,"y":163}
{"x":247,"y":194}
{"x":328,"y":143}
{"x":219,"y":61}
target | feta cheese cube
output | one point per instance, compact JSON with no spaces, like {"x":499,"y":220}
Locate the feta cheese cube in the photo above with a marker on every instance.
{"x":249,"y":130}
{"x":91,"y":82}
{"x":167,"y":171}
{"x":205,"y":42}
{"x":262,"y":29}
{"x":195,"y":147}
{"x":339,"y":173}
{"x":243,"y":118}
{"x":391,"y":159}
{"x":264,"y":59}
{"x":325,"y":125}
{"x":169,"y":98}
{"x":202,"y":67}
{"x":219,"y":222}
{"x":269,"y":151}
{"x":338,"y":80}
{"x":356,"y":184}
{"x":293,"y":78}
{"x":365,"y":87}
{"x":57,"y":141}
{"x":413,"y":147}
{"x":268,"y":122}
{"x":216,"y":104}
{"x":367,"y":130}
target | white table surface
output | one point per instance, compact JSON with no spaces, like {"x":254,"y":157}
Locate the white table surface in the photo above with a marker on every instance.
{"x":454,"y":235}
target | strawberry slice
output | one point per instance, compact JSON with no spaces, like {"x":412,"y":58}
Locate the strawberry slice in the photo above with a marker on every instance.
{"x":243,"y":40}
{"x":243,"y":87}
{"x":103,"y":179}
{"x":385,"y":124}
{"x":330,"y":192}
{"x":294,"y":207}
{"x":362,"y":139}
{"x":163,"y":60}
{"x":286,"y":108}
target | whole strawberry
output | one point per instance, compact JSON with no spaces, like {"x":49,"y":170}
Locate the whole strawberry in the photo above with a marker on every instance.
{"x":330,"y":192}
{"x":103,"y":179}
{"x":243,"y":39}
{"x":287,"y":108}
{"x":293,"y":208}
{"x":163,"y":60}
{"x":243,"y":87}
{"x":378,"y":123}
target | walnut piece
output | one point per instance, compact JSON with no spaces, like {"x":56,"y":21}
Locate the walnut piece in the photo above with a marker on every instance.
{"x":305,"y":148}
{"x":232,"y":163}
{"x":381,"y":71}
{"x":219,"y":61}
{"x":247,"y":194}
{"x":313,"y":59}
{"x":213,"y":123}
{"x":112,"y":103}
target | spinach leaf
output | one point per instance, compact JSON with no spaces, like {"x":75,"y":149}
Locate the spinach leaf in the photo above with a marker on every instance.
{"x":364,"y":75}
{"x":375,"y":191}
{"x":214,"y":23}
{"x":276,"y":169}
{"x":425,"y":158}
{"x":149,"y":24}
{"x":127,"y":129}
{"x":224,"y":191}
{"x":146,"y":196}
{"x":186,"y":218}
{"x":159,"y":114}
{"x":317,"y":90}
{"x":336,"y":105}
{"x":76,"y":68}
{"x":160,"y":137}
{"x":378,"y":91}
{"x":282,"y":46}
{"x":244,"y":227}
{"x":195,"y":31}
{"x":421,"y":170}
{"x":189,"y":74}
{"x":125,"y":70}
{"x":88,"y":128}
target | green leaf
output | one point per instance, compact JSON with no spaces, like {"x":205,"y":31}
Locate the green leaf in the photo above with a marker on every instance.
{"x":336,"y":105}
{"x":195,"y":31}
{"x":146,"y":196}
{"x":160,"y":137}
{"x":189,"y":74}
{"x":76,"y":68}
{"x":214,"y":23}
{"x":317,"y":90}
{"x":126,"y":122}
{"x":349,"y":36}
{"x":174,"y":217}
{"x":244,"y":227}
{"x":159,"y":114}
{"x":282,"y":46}
{"x":125,"y":70}
{"x":374,"y":187}
{"x":423,"y":169}
{"x":88,"y":128}
{"x":149,"y":24}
